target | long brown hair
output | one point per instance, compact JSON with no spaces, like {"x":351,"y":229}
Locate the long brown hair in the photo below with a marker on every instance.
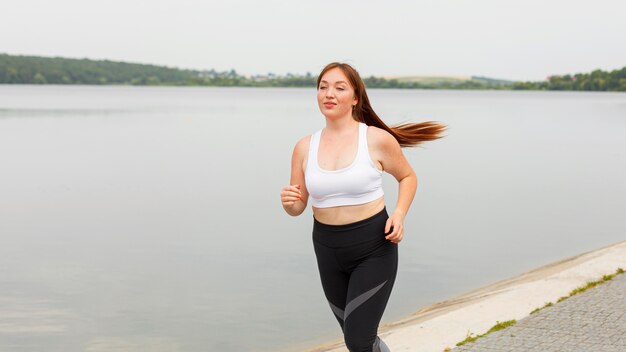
{"x":407,"y":134}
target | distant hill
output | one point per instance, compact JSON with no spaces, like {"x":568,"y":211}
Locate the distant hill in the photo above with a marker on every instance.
{"x":428,"y":79}
{"x":425,"y":79}
{"x":491,"y":80}
{"x":58,"y":70}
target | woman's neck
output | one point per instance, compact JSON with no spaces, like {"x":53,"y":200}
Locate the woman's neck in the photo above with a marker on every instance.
{"x":341,"y":125}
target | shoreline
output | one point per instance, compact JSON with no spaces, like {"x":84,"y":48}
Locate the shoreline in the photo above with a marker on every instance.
{"x":443,"y":324}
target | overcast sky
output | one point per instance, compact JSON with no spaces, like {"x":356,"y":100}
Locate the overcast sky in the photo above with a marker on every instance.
{"x":518,"y":40}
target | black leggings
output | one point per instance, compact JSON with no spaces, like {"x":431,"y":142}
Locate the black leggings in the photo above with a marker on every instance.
{"x":357,"y":268}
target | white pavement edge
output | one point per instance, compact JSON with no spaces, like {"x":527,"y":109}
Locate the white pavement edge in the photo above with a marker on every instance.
{"x":442,"y":325}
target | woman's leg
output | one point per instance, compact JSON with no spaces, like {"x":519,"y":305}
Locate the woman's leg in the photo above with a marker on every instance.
{"x":370,"y":286}
{"x":334,"y":280}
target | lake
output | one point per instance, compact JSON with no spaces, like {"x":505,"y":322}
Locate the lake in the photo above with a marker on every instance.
{"x":150,"y":217}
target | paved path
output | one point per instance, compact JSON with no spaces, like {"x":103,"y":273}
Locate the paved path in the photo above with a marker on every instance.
{"x":593,"y":320}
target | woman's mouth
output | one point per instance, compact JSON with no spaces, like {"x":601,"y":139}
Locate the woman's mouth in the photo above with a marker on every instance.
{"x":329,"y":105}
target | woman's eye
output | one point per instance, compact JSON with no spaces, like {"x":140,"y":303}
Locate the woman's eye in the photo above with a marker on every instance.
{"x":322,"y":87}
{"x":339,"y":88}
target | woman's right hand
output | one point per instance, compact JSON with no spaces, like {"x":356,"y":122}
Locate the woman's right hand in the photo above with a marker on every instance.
{"x":290,"y":195}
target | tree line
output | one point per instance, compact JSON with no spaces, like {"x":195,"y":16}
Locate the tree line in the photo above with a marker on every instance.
{"x":18,"y":69}
{"x":597,"y":80}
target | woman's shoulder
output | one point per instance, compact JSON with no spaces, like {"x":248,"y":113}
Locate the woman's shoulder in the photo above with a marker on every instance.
{"x":379,"y":137}
{"x":302,"y":145}
{"x":304,"y":140}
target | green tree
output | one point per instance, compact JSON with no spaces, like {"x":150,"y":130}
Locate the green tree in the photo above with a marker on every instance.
{"x":38,"y":78}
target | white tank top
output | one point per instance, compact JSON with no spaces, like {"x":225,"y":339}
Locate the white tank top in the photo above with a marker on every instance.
{"x":357,"y":183}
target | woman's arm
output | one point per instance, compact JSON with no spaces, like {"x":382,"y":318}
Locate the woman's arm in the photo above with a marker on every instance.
{"x":393,"y":161}
{"x":295,"y":196}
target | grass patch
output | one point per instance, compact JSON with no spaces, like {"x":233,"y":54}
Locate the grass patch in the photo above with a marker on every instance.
{"x":583,"y":288}
{"x":498,"y":326}
{"x":548,"y":304}
{"x":591,"y":284}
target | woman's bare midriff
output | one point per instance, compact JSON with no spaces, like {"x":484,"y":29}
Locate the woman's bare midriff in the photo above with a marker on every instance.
{"x":346,"y":214}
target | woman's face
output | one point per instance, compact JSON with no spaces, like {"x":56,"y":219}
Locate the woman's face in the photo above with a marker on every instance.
{"x":335,"y":95}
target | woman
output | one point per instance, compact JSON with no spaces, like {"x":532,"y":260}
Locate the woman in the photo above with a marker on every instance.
{"x":340,"y":167}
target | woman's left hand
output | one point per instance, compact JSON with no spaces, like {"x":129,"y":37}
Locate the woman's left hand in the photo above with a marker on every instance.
{"x":395,"y":223}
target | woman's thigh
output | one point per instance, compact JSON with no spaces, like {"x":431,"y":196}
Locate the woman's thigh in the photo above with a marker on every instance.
{"x":334,"y":280}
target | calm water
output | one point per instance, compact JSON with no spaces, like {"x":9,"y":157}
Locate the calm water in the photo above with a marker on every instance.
{"x":137,"y":218}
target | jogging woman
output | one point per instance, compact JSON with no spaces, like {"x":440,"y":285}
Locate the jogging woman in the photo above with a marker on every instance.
{"x":340,"y":168}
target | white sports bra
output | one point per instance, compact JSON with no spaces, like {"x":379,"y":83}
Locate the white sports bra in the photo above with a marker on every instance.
{"x":357,"y":183}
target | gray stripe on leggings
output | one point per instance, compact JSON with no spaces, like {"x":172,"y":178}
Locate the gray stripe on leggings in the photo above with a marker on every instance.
{"x":338,"y":311}
{"x":380,"y":346}
{"x":360,"y":299}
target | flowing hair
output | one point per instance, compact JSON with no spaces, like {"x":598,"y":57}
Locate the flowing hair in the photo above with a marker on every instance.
{"x":407,"y":134}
